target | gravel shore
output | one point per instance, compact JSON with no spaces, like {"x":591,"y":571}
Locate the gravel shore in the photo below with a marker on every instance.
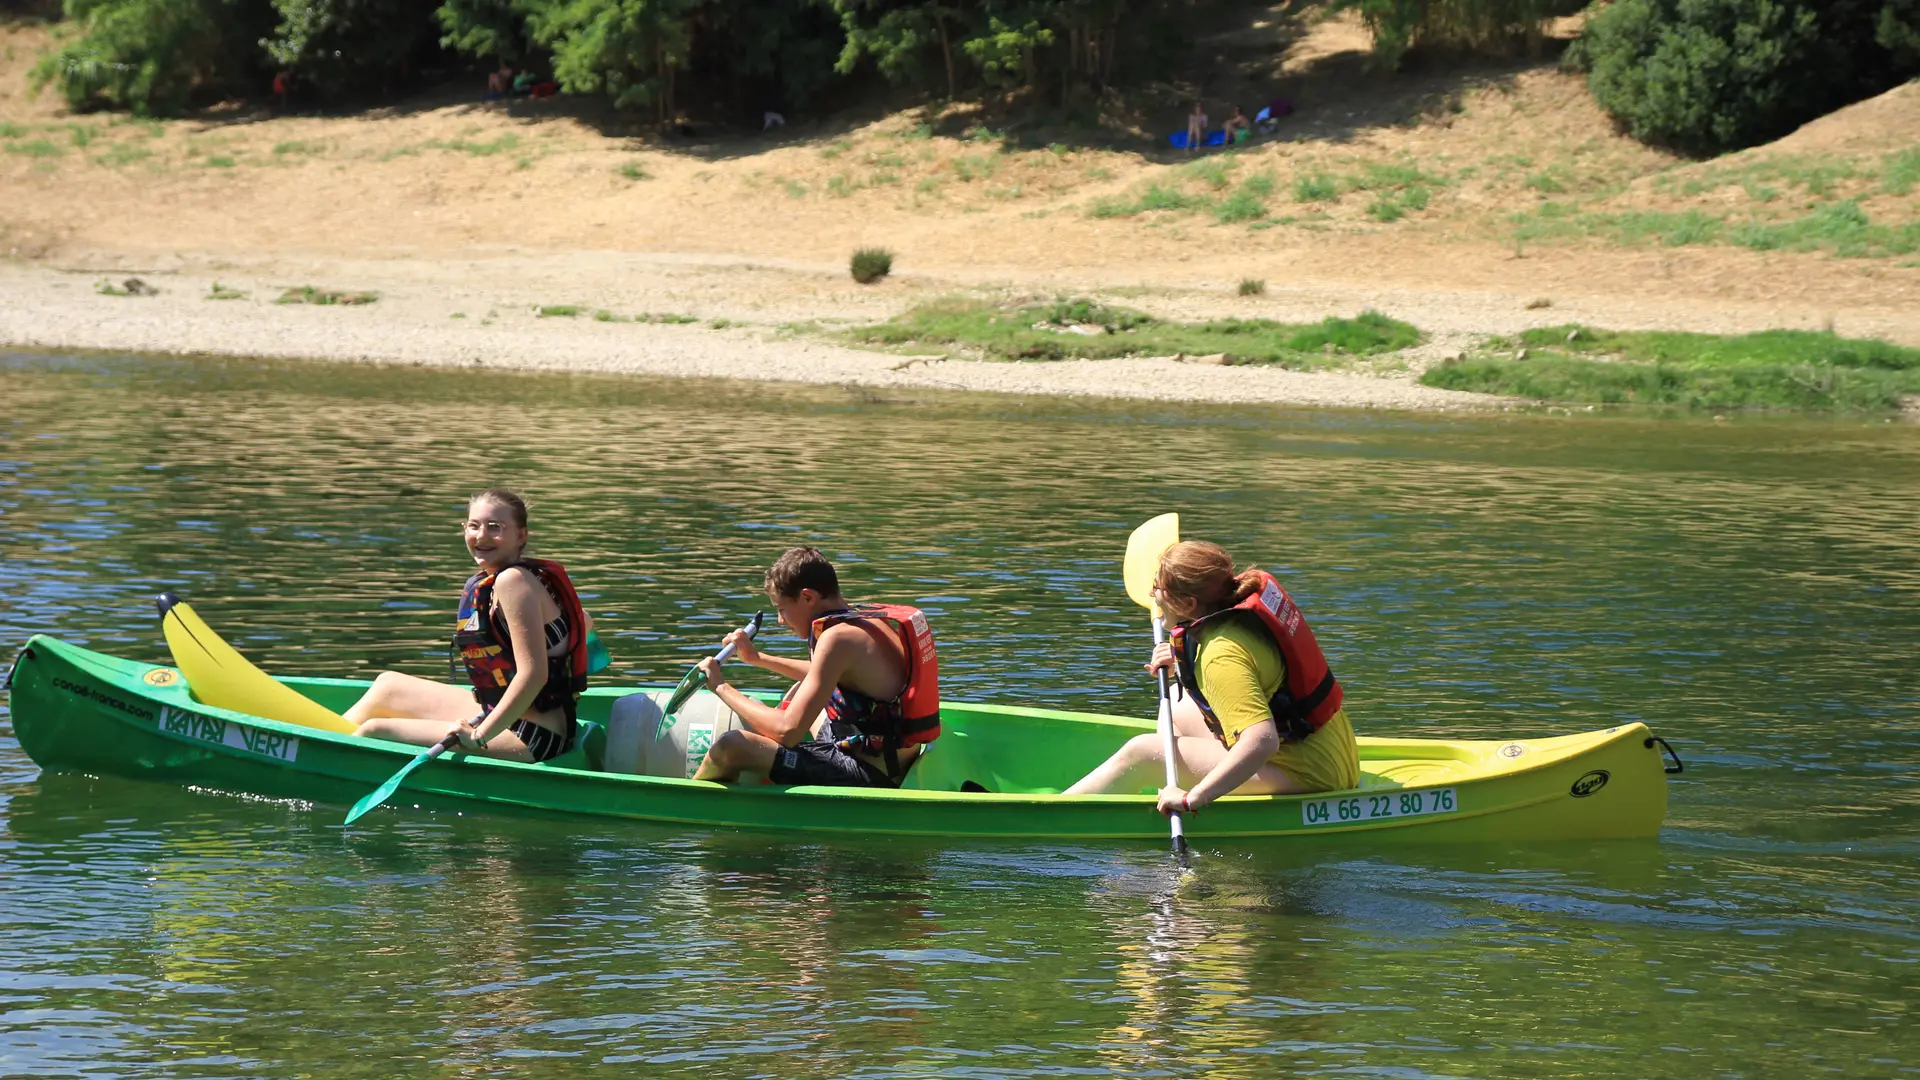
{"x":420,"y":320}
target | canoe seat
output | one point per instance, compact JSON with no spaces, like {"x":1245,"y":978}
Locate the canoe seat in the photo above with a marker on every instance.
{"x":589,"y":751}
{"x":1404,"y":774}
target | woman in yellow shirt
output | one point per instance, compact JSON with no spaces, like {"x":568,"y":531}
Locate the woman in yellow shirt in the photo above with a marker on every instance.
{"x":1267,"y":735}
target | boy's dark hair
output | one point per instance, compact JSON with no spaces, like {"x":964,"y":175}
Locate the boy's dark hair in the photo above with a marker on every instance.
{"x":802,"y":568}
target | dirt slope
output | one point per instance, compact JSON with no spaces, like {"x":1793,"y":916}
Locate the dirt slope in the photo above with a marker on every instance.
{"x":1426,"y":174}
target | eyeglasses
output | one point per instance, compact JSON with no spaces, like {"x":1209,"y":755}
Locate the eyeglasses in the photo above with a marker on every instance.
{"x":491,"y":528}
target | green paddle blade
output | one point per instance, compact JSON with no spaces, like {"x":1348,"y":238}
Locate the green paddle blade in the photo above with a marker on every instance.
{"x":1144,"y":548}
{"x":597,"y":656}
{"x":385,"y":791}
{"x":691,"y":682}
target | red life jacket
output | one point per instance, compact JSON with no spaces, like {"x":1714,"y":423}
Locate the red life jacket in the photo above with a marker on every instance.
{"x":1310,"y":696}
{"x":484,"y":648}
{"x":913,"y":718}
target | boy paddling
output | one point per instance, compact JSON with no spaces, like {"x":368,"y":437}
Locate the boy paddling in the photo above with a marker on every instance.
{"x":868,"y":694}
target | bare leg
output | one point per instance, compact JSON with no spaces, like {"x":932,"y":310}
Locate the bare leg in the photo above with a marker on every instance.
{"x":735,"y":752}
{"x":1140,"y":766}
{"x":397,"y":695}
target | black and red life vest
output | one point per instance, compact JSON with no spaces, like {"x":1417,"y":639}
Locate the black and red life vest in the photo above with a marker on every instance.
{"x":1310,"y":695}
{"x":483,"y":646}
{"x":913,"y":718}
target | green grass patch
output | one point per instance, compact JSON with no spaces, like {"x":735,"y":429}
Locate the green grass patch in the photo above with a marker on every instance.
{"x":1084,"y":329}
{"x":120,"y":154}
{"x":10,"y":130}
{"x":1899,"y":172}
{"x":1247,"y":203}
{"x":1315,"y":187}
{"x":1775,"y":369}
{"x":81,"y":136}
{"x":1155,"y":196}
{"x":499,"y":144}
{"x":1546,"y":183}
{"x":556,"y":311}
{"x":220,"y":161}
{"x":971,"y":167}
{"x":1213,"y":172}
{"x":1241,"y":206}
{"x":39,"y":148}
{"x":633,"y":170}
{"x":1815,"y":175}
{"x":307,"y":294}
{"x":285,"y":149}
{"x":223,"y":292}
{"x":1377,"y":177}
{"x":1840,"y":228}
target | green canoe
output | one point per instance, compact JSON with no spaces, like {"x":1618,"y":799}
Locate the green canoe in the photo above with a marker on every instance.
{"x":78,"y":710}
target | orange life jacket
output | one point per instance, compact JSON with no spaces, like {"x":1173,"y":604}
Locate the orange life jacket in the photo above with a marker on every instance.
{"x":483,"y":647}
{"x":913,"y":718}
{"x":1310,"y":695}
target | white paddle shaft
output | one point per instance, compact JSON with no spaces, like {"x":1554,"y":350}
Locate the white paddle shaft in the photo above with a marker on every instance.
{"x":1166,"y":737}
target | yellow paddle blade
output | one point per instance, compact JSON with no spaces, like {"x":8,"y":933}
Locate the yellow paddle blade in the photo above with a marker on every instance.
{"x":218,"y":675}
{"x":1144,"y":548}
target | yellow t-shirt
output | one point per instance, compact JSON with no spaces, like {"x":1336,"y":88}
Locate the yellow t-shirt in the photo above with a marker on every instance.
{"x":1240,"y":670}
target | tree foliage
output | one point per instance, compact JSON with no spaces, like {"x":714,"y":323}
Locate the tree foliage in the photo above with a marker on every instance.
{"x":1707,"y":76}
{"x":341,"y":47}
{"x":1400,"y":26}
{"x":150,"y":56}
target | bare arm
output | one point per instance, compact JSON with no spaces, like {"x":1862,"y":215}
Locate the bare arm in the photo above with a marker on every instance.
{"x":743,"y":651}
{"x":520,"y":606}
{"x":1256,"y":745}
{"x":791,"y":725}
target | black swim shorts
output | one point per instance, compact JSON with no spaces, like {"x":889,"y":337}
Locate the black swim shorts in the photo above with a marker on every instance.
{"x":824,"y":764}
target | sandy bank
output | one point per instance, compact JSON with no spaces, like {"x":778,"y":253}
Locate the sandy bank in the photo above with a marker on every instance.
{"x":481,"y":314}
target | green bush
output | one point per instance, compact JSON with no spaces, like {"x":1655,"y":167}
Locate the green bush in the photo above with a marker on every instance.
{"x":870,"y":264}
{"x":151,"y":56}
{"x":1707,"y":76}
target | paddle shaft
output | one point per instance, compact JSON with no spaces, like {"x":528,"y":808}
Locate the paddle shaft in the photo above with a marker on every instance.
{"x":1167,"y":748}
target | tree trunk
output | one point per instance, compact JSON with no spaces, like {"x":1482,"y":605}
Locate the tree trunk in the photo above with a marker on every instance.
{"x":946,"y":53}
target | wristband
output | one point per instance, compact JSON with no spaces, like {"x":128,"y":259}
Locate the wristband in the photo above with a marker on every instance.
{"x":473,"y":725}
{"x":1186,"y":802}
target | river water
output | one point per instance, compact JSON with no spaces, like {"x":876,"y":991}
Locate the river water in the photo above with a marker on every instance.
{"x":1750,"y":588}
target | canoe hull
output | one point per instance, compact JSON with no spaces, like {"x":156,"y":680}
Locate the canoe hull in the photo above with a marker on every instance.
{"x":82,"y":711}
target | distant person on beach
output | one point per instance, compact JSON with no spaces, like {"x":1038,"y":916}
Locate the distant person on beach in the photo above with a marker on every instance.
{"x":1237,"y":127}
{"x":1196,"y":127}
{"x":1261,"y":714}
{"x":520,"y":639}
{"x":282,"y":87}
{"x":500,"y":82}
{"x":865,"y":701}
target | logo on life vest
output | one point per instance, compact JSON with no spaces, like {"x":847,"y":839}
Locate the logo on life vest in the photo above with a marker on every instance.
{"x":1589,"y":783}
{"x":159,"y":677}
